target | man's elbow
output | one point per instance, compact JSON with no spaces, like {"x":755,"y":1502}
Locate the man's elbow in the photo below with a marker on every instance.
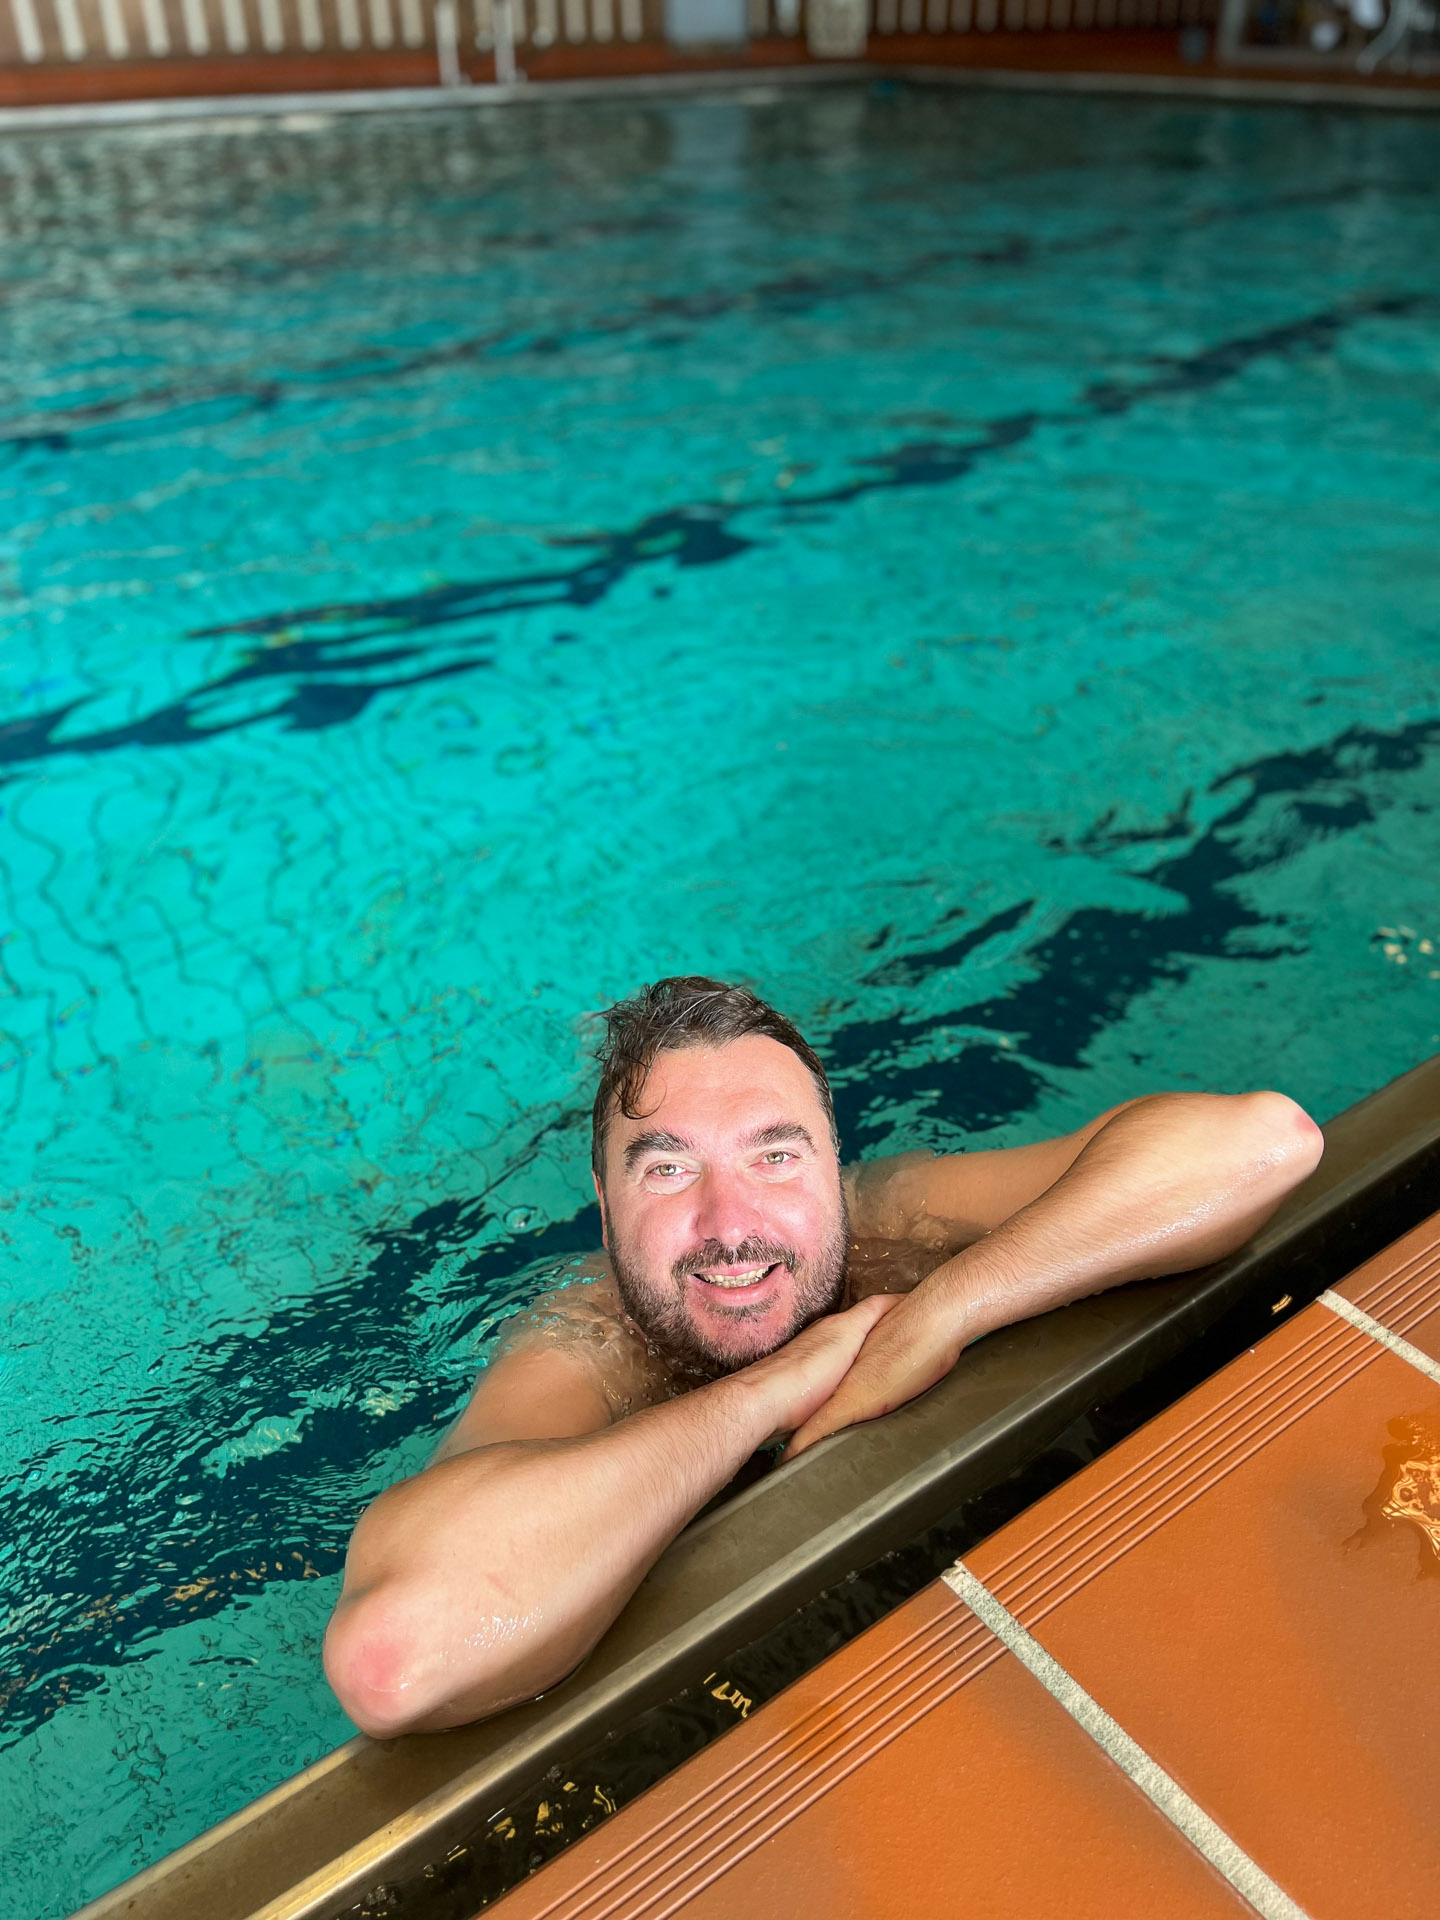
{"x":1279,"y":1144}
{"x":377,"y":1668}
{"x":392,"y":1675}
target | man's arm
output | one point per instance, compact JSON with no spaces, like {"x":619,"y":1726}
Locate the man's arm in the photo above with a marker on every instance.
{"x":953,"y":1199}
{"x":485,"y":1579}
{"x":1161,"y":1185}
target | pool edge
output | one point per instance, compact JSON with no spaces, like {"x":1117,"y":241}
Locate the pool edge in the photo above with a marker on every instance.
{"x":385,"y":1807}
{"x":1229,"y":89}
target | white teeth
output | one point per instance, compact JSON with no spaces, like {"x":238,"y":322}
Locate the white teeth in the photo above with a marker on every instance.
{"x":735,"y":1279}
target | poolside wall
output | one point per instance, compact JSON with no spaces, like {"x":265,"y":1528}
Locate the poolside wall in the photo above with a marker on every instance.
{"x":54,"y":51}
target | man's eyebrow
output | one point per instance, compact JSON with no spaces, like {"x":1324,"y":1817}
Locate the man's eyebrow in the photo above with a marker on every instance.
{"x":776,"y":1132}
{"x":656,"y":1141}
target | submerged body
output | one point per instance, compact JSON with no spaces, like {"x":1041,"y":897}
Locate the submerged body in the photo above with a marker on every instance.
{"x":749,"y":1291}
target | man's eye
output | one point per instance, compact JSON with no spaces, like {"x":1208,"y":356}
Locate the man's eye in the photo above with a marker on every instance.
{"x":667,"y":1170}
{"x":776,"y":1157}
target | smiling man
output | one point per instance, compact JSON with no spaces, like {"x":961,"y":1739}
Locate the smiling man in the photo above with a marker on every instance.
{"x":750,"y":1289}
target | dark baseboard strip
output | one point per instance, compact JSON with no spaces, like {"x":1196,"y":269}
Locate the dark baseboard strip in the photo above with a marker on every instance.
{"x":1206,"y":87}
{"x":1235,"y":89}
{"x":78,"y":114}
{"x":373,"y":1815}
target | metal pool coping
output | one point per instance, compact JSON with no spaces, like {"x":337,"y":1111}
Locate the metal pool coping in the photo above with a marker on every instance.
{"x":221,"y":111}
{"x":376,"y":1812}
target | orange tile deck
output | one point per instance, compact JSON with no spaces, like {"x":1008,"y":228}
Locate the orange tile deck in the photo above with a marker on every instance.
{"x":1230,"y":1587}
{"x":920,"y":1756}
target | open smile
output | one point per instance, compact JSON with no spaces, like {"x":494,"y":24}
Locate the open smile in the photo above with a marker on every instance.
{"x":735,"y":1279}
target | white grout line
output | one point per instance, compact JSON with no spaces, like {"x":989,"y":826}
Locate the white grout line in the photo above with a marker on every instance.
{"x":1337,"y":1303}
{"x":1252,"y":1884}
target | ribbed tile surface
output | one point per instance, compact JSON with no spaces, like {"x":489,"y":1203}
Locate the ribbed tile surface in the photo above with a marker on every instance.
{"x":919,"y":1766}
{"x":1249,"y":1587}
{"x":1401,"y":1287}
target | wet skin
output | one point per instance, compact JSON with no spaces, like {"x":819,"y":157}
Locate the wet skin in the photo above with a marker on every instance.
{"x":729,"y":1225}
{"x":721,"y":1202}
{"x":731,"y":1306}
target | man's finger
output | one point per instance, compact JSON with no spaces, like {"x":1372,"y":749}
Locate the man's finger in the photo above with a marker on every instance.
{"x":853,"y":1326}
{"x":847,"y":1405}
{"x":827,"y":1420}
{"x":870,"y":1311}
{"x":895,"y":1364}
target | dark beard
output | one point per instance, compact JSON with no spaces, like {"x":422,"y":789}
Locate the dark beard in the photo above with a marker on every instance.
{"x":819,"y":1289}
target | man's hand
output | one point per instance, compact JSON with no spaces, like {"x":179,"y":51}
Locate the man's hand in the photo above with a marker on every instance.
{"x":804,"y":1374}
{"x":915,"y":1343}
{"x":1167,"y":1184}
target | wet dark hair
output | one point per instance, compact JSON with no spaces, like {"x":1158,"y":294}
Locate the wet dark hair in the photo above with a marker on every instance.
{"x":687,"y":1010}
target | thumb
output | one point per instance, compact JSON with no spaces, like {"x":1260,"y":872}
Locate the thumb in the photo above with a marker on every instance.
{"x":850,"y":1334}
{"x":860,"y":1321}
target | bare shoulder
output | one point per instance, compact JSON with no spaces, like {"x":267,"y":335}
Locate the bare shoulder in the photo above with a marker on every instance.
{"x":570,"y":1363}
{"x":585,"y":1323}
{"x":584,"y":1310}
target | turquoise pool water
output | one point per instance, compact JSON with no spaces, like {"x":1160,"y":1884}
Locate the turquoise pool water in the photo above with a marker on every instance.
{"x":969,"y":565}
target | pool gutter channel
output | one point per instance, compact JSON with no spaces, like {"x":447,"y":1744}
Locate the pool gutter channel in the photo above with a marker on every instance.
{"x":376,"y":1813}
{"x":1239,"y":89}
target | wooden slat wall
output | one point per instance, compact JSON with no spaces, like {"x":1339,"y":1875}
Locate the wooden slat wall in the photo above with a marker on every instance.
{"x":50,"y":31}
{"x":56,"y":32}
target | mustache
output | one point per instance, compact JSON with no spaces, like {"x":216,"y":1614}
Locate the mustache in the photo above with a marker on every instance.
{"x":749,"y":1253}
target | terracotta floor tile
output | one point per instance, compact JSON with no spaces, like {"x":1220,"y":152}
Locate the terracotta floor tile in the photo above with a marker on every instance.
{"x":921,"y":1771}
{"x":1425,"y":1333}
{"x":1250,"y":1586}
{"x":1229,"y":1586}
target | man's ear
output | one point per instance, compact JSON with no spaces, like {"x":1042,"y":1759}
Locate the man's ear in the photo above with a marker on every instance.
{"x":604,"y":1218}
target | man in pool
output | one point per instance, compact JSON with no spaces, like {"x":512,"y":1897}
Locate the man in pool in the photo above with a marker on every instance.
{"x":750,"y":1288}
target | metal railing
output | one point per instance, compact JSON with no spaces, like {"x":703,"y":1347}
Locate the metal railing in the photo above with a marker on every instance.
{"x":1359,"y":36}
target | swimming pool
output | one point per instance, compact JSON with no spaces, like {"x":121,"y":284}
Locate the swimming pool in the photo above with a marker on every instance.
{"x":966,"y":564}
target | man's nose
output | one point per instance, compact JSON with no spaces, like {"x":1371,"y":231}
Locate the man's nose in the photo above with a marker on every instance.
{"x":726,"y":1210}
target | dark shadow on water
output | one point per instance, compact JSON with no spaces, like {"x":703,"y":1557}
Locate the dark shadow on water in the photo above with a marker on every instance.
{"x":320,"y":666}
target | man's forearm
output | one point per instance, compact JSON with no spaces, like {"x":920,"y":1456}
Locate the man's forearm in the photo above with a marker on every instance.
{"x":485,"y":1579}
{"x":1168,"y":1184}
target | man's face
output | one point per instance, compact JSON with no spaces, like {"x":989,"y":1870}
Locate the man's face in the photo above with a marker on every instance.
{"x":724,"y":1217}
